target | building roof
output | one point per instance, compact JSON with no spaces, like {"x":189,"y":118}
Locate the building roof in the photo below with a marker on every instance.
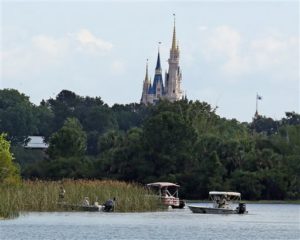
{"x":36,"y":142}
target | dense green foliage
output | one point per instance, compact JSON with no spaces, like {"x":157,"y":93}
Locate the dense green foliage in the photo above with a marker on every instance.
{"x":68,"y":141}
{"x":9,"y":172}
{"x":184,"y":142}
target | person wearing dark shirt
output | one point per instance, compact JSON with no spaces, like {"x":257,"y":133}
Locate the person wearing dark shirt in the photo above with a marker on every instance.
{"x":109,"y":205}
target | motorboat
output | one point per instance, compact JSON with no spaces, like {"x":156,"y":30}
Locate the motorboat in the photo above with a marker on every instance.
{"x":82,"y":207}
{"x":108,"y":206}
{"x":222,"y":204}
{"x":168,"y":193}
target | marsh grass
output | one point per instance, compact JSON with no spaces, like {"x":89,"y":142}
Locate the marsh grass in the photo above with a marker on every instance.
{"x":42,"y":196}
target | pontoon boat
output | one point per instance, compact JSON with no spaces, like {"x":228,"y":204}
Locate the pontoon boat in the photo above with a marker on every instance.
{"x":168,"y":193}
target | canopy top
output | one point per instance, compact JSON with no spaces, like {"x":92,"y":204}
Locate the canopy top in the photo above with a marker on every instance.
{"x":235,"y":194}
{"x":162,"y":184}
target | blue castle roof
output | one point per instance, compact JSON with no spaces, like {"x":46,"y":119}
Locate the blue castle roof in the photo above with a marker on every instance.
{"x":157,"y":78}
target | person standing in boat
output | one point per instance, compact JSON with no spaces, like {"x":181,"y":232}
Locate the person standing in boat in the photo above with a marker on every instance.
{"x":222,"y":202}
{"x":109,"y":205}
{"x":165,"y":193}
{"x":86,"y":202}
{"x":61,"y":194}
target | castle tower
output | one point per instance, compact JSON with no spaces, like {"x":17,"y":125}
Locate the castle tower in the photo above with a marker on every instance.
{"x":146,"y":86}
{"x":158,"y":86}
{"x":171,"y":89}
{"x":173,"y":77}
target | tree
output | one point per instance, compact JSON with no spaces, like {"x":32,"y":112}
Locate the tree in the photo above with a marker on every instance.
{"x":45,"y":117}
{"x":248,"y":183}
{"x":168,"y":142}
{"x":69,"y":141}
{"x":16,"y":115}
{"x":292,"y":118}
{"x":264,"y":125}
{"x":63,"y":107}
{"x":130,"y":115}
{"x":9,"y":172}
{"x":97,"y":118}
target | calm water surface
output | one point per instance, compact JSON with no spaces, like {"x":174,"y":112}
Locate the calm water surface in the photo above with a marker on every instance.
{"x":264,"y":221}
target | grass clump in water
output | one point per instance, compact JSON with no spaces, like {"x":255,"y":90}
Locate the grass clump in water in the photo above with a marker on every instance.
{"x":43,"y":196}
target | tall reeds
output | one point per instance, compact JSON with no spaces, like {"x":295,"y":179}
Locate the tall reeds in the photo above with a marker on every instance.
{"x":44,"y":196}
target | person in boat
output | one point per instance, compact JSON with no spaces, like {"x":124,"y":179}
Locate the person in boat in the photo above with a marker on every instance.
{"x":86,"y":202}
{"x":61,"y":194}
{"x":222,"y":202}
{"x":109,"y":205}
{"x":165,"y":193}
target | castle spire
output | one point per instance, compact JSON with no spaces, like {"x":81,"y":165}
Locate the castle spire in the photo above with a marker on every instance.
{"x":146,"y":76}
{"x":158,"y":66}
{"x":174,"y":35}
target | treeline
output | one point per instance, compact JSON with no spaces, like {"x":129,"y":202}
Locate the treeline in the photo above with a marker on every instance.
{"x":184,"y":142}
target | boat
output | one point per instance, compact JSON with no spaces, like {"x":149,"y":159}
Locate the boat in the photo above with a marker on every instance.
{"x":168,"y":193}
{"x":108,"y":206}
{"x":222,"y":204}
{"x":82,"y":207}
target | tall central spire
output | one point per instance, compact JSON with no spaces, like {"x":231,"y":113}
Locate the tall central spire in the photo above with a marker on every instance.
{"x":158,"y":65}
{"x":174,"y":35}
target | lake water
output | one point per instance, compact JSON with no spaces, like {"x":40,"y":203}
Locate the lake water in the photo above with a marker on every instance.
{"x":264,"y":221}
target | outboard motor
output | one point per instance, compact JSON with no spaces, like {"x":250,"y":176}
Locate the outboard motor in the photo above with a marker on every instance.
{"x":242,"y":208}
{"x":181,"y":204}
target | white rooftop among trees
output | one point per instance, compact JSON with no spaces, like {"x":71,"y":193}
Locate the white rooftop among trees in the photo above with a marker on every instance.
{"x":36,"y":142}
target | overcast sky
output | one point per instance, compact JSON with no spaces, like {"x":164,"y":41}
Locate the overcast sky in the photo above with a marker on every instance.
{"x":229,"y":51}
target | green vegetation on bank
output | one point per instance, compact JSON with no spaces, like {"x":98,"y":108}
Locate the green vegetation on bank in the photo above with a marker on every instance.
{"x":9,"y":172}
{"x":42,"y":196}
{"x":184,"y":142}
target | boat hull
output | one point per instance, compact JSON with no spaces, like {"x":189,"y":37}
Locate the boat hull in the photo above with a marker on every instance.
{"x":208,"y":210}
{"x":80,"y":208}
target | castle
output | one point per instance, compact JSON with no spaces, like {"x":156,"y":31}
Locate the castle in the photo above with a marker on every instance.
{"x":170,"y":89}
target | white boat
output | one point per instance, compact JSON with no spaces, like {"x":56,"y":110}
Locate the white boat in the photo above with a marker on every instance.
{"x":222,"y":204}
{"x":168,"y":193}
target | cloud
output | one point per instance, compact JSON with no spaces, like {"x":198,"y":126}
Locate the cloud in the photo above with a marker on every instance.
{"x":117,"y":67}
{"x":50,"y":46}
{"x":225,"y":40}
{"x":91,"y":44}
{"x":43,"y":52}
{"x":271,"y":51}
{"x":236,"y":55}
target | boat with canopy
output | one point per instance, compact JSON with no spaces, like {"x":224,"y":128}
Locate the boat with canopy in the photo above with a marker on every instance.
{"x":168,"y":193}
{"x":222,"y":204}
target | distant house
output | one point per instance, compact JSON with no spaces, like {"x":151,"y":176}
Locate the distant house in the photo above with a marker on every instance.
{"x":36,"y":142}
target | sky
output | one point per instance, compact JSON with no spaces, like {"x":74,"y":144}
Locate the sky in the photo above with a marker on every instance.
{"x":230,"y":51}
